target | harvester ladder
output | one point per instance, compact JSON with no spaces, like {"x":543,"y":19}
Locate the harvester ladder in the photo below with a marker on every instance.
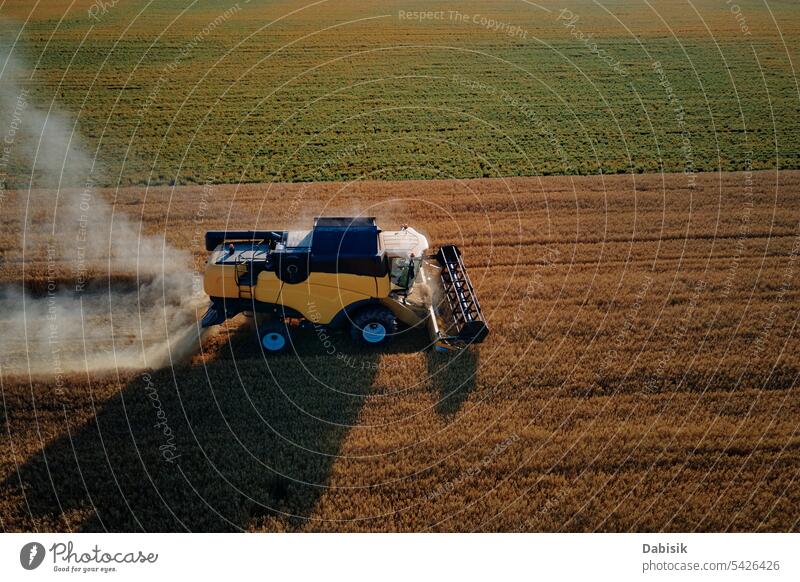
{"x":243,"y":274}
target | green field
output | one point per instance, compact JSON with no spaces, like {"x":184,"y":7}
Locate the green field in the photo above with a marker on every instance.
{"x":281,"y":91}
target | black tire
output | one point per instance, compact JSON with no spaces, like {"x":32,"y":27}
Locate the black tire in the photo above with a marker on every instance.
{"x":273,"y":337}
{"x":373,"y":326}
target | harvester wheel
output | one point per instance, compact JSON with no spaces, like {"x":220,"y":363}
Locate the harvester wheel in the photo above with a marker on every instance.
{"x":373,"y":326}
{"x":273,"y":336}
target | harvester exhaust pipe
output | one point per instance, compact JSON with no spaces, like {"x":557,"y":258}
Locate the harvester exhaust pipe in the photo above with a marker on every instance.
{"x":465,"y":323}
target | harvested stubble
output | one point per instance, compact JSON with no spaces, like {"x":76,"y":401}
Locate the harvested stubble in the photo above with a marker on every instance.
{"x":641,"y":375}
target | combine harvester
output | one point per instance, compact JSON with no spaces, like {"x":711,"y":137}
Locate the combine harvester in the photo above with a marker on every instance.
{"x":343,"y":273}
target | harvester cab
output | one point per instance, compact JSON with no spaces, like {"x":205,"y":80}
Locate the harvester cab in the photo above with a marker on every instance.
{"x":343,"y":273}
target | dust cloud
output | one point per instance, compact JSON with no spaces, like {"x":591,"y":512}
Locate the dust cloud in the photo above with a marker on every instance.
{"x":107,"y":295}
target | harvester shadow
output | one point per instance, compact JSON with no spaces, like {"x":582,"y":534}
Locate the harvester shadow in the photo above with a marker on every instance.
{"x":226,"y":445}
{"x":453,"y":377}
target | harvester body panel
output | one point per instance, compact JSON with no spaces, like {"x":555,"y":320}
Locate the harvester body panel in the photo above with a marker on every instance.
{"x":322,"y":296}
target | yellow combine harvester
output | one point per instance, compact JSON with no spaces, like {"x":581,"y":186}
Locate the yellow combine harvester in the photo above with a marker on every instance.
{"x":343,"y":273}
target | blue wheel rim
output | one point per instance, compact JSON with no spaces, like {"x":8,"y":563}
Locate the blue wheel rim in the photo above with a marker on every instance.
{"x":374,"y":333}
{"x":273,"y":341}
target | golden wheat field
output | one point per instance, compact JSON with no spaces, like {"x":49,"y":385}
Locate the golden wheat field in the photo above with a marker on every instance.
{"x":641,"y":374}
